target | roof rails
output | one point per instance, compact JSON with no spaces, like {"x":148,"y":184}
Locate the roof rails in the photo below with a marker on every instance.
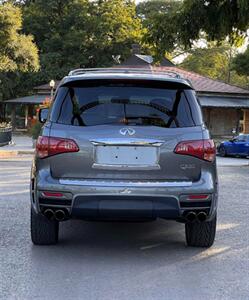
{"x":124,"y":70}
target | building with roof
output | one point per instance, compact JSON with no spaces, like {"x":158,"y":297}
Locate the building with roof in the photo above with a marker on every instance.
{"x":225,"y":106}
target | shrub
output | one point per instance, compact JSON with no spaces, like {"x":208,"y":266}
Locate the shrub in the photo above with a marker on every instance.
{"x":35,"y":130}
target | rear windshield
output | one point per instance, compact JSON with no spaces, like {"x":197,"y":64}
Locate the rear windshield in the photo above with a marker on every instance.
{"x":126,"y":103}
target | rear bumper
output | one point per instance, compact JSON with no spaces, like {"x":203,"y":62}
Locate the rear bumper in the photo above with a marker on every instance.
{"x":125,"y":207}
{"x":124,"y":200}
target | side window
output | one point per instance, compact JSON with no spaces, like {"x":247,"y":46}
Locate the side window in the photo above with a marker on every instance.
{"x":241,"y":138}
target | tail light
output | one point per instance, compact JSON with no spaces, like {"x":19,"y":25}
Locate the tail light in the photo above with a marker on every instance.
{"x":48,"y":146}
{"x":203,"y":149}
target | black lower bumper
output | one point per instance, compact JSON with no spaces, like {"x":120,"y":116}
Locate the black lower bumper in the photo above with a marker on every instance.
{"x":125,"y":207}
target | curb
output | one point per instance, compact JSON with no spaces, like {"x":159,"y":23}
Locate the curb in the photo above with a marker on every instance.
{"x":14,"y":153}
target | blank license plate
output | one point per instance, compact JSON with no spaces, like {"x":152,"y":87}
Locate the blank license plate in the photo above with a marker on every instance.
{"x":126,"y":155}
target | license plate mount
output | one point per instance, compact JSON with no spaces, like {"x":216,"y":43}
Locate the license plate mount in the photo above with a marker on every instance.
{"x":126,"y":156}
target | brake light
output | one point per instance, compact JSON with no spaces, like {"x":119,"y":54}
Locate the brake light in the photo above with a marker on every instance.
{"x":48,"y":146}
{"x":203,"y":149}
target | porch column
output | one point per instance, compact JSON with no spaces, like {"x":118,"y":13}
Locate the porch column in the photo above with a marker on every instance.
{"x":238,"y":121}
{"x":246,"y":121}
{"x":26,"y":115}
{"x":13,"y":116}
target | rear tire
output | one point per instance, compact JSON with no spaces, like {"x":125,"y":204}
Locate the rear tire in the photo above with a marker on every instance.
{"x":201,"y":234}
{"x":43,"y":231}
{"x":222,"y":152}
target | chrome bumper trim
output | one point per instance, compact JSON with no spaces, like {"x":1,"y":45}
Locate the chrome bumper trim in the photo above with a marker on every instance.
{"x":95,"y":183}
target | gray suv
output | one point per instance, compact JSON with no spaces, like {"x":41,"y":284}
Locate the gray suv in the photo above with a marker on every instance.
{"x":124,"y":144}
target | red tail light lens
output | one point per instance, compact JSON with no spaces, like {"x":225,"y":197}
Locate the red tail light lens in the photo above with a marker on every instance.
{"x":48,"y":146}
{"x":203,"y":149}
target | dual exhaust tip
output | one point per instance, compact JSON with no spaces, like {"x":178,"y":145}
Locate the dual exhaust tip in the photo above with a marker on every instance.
{"x":192,"y":216}
{"x":58,"y":215}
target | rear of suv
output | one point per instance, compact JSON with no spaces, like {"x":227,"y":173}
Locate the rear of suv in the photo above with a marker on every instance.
{"x":124,"y":144}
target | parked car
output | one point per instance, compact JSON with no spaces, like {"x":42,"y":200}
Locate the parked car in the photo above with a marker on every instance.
{"x":238,"y":146}
{"x":124,"y":144}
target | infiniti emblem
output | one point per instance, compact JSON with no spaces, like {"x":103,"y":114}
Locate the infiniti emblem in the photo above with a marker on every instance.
{"x":127,"y":131}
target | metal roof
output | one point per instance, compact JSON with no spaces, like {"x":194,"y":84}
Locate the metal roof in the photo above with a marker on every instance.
{"x":223,"y":102}
{"x":203,"y":84}
{"x":34,"y":99}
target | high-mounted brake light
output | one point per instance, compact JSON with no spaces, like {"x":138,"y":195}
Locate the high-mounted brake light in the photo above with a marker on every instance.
{"x":48,"y":146}
{"x":203,"y":149}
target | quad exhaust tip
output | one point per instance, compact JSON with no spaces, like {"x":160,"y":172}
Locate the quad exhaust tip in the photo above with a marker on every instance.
{"x":202,"y":216}
{"x":191,"y":216}
{"x":49,"y":213}
{"x":59,"y":215}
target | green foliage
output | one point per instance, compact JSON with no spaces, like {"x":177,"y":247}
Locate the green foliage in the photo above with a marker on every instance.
{"x":211,"y":62}
{"x":35,"y":130}
{"x":17,"y":51}
{"x":80,"y":33}
{"x":214,"y":62}
{"x":219,"y":19}
{"x":241,"y":63}
{"x":160,"y":18}
{"x":172,"y":24}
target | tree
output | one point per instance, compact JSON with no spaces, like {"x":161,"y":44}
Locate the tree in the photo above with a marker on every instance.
{"x":159,"y":17}
{"x":80,"y":33}
{"x":241,"y":63}
{"x":18,"y":53}
{"x":214,"y":62}
{"x":218,"y":19}
{"x":115,"y":28}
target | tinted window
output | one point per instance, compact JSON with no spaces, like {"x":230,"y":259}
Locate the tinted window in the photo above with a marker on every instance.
{"x":128,"y":104}
{"x":241,"y":138}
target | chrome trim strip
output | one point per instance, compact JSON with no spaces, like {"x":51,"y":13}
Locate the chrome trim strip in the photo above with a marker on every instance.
{"x":95,"y":183}
{"x":127,"y":142}
{"x":125,"y":167}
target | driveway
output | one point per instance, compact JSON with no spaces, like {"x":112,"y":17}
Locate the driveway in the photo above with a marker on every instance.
{"x":232,"y":161}
{"x":123,"y":260}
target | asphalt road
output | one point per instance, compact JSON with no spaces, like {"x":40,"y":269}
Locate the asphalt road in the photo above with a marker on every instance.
{"x":123,"y":260}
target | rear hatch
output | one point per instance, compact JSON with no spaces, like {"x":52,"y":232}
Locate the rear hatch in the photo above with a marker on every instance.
{"x":126,"y":131}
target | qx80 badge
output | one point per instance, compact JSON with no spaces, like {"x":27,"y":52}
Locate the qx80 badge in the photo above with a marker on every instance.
{"x":127,"y":131}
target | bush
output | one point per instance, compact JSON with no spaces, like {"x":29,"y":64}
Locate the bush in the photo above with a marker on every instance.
{"x":35,"y":130}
